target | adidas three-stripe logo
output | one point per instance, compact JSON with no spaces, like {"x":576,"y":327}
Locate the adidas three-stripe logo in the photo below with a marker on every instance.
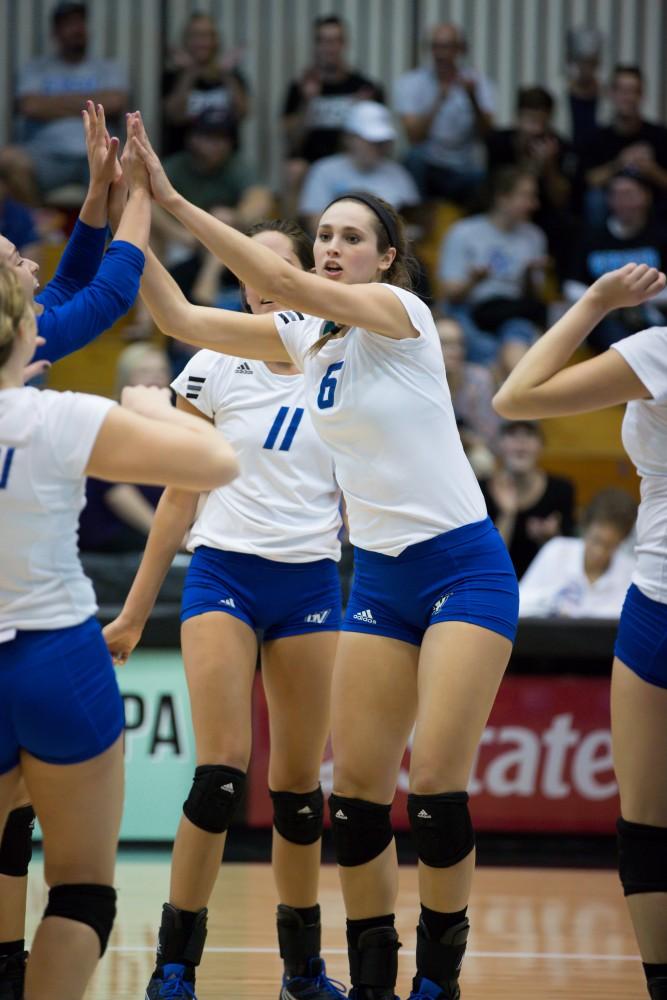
{"x":290,"y":316}
{"x":194,"y":387}
{"x":365,"y":616}
{"x":243,"y":369}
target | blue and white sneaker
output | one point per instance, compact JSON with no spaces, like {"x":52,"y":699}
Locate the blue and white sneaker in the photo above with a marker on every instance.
{"x":173,"y":983}
{"x":315,"y":986}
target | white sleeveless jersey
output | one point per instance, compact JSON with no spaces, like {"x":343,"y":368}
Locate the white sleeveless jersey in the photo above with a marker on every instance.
{"x":285,"y":504}
{"x":45,"y":442}
{"x":384,"y":409}
{"x":645,"y":440}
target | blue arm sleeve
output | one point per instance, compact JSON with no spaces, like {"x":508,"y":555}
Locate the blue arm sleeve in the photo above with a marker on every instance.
{"x":78,"y":265}
{"x":70,"y":326}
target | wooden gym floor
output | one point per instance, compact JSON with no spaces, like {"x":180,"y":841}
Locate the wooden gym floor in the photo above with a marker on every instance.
{"x":536,"y":934}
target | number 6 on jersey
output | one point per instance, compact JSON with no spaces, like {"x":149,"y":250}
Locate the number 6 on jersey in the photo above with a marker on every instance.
{"x":325,"y":398}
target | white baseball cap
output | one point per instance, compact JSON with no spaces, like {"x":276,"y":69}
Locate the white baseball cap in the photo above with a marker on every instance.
{"x":371,"y":121}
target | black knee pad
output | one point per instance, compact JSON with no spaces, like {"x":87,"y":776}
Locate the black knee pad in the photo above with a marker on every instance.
{"x":441,"y":827}
{"x":361,"y":830}
{"x":94,"y":905}
{"x":16,"y":844}
{"x":297,"y":817}
{"x":215,"y":794}
{"x":642,"y":857}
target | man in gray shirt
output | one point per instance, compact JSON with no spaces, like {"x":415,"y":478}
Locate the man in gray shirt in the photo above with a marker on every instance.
{"x":52,"y":91}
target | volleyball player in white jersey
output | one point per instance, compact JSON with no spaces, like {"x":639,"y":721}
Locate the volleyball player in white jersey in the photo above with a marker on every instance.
{"x":633,"y":371}
{"x":61,"y":715}
{"x":265,"y":552}
{"x":433,"y":609}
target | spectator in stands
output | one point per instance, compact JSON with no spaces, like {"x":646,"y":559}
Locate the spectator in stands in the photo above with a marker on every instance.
{"x":16,"y":221}
{"x":629,"y":234}
{"x":532,"y":144}
{"x":446,"y":110}
{"x":584,"y":49}
{"x":628,"y":141}
{"x":118,"y":516}
{"x":584,"y":577}
{"x":199,"y":78}
{"x":527,"y":505}
{"x":319,"y":101}
{"x":366,"y":165}
{"x":52,"y":92}
{"x":471,"y":387}
{"x":491,"y":270}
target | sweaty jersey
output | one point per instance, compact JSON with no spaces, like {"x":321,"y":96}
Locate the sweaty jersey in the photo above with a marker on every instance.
{"x":284,"y":505}
{"x":645,"y":440}
{"x":383,"y":408}
{"x":45,"y":442}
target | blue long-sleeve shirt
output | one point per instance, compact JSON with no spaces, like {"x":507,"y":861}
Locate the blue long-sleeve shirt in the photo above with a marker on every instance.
{"x":88,"y":293}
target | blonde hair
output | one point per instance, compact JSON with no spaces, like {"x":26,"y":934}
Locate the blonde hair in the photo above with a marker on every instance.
{"x":13,"y":305}
{"x":131,"y":357}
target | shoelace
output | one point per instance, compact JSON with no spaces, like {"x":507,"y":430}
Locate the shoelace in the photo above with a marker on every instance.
{"x":176,"y":988}
{"x":322,"y":982}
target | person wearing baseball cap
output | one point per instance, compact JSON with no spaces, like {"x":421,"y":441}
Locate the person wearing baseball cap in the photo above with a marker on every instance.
{"x":367,"y":164}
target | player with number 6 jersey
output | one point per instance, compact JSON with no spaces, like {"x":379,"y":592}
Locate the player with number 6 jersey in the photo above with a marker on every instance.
{"x":433,"y":610}
{"x":264,"y":559}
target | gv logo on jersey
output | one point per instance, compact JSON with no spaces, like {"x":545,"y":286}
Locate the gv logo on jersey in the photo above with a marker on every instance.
{"x":317,"y":617}
{"x":440,"y":602}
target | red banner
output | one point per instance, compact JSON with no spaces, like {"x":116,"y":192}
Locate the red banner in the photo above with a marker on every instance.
{"x":544,"y":762}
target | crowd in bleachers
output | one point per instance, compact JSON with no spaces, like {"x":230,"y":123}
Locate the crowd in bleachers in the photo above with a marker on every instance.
{"x":521,"y":218}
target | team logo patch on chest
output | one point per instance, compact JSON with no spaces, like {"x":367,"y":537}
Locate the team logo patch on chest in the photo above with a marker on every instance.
{"x":243,"y":369}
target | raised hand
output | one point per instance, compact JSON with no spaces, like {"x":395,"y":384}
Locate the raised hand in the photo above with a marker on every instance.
{"x":627,"y":286}
{"x":135,"y":173}
{"x":162,"y":189}
{"x":102,"y":150}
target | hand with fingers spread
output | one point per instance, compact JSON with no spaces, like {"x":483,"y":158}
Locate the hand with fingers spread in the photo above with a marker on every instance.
{"x":162,"y":189}
{"x":101,"y":148}
{"x":627,"y":286}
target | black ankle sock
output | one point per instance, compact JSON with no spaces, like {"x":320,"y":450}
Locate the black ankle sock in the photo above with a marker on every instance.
{"x":652,"y":971}
{"x":8,"y":948}
{"x":309,"y":914}
{"x":170,"y":954}
{"x":437,"y":923}
{"x":355,"y":928}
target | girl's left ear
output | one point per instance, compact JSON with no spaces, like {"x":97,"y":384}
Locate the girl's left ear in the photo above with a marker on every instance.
{"x":388,"y":259}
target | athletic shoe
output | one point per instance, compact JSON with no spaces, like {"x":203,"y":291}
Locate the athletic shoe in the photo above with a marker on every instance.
{"x":12,"y":975}
{"x":171,"y":984}
{"x":424,"y":989}
{"x":315,"y":986}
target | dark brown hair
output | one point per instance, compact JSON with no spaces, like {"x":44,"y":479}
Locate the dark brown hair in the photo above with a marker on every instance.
{"x":611,"y":506}
{"x":404,"y":266}
{"x":505,"y":180}
{"x":300,"y":240}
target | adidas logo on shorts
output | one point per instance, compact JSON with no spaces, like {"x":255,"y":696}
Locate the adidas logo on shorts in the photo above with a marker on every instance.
{"x":365,"y":616}
{"x":229,"y":601}
{"x":340,"y":814}
{"x":422,"y":814}
{"x":439,"y":603}
{"x":227,"y":788}
{"x":317,"y":617}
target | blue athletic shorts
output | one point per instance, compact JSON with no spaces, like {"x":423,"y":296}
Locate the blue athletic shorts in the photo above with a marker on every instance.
{"x":641,"y":642}
{"x":463,"y":575}
{"x":59,"y":697}
{"x":277,"y":597}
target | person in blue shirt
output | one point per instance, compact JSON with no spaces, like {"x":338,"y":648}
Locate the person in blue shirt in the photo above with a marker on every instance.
{"x":89,"y":292}
{"x":91,"y":289}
